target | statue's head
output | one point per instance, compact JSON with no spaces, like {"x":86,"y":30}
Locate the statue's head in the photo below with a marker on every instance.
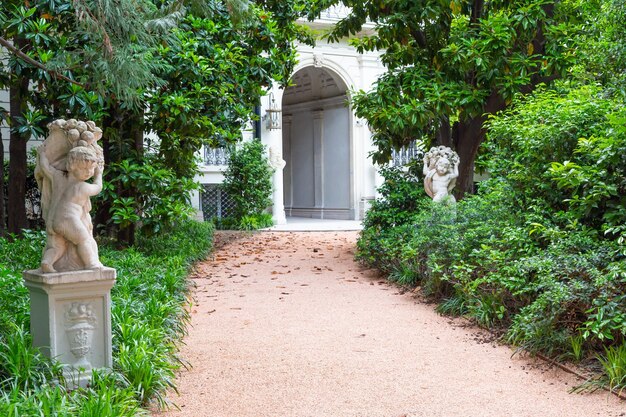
{"x":82,"y":161}
{"x":442,"y":166}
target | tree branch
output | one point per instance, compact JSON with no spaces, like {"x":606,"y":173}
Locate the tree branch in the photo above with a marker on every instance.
{"x":36,"y":64}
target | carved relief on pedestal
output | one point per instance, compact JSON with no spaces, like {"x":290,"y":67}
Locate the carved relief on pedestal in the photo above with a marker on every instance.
{"x":80,"y":324}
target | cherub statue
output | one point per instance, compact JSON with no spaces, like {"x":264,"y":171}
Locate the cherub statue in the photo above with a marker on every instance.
{"x":441,"y":169}
{"x":65,"y":162}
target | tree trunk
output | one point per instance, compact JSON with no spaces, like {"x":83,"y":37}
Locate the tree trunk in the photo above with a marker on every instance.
{"x":468,"y":137}
{"x":122,"y":139}
{"x":133,"y":130}
{"x":443,"y":136}
{"x":3,"y":218}
{"x":103,"y":213}
{"x":16,"y":207}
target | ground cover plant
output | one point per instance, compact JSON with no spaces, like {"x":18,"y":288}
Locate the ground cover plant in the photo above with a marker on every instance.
{"x":149,"y":314}
{"x":538,"y":254}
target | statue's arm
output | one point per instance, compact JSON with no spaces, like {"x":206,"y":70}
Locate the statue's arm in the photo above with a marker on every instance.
{"x":96,"y":186}
{"x":44,"y":164}
{"x":453,"y":176}
{"x":455,"y":171}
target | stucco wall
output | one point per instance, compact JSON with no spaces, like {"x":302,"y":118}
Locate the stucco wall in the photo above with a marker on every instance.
{"x":336,"y":157}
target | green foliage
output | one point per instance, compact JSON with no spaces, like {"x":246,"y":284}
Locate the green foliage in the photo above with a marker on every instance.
{"x":577,"y":347}
{"x":614,"y":364}
{"x":542,"y":129}
{"x":594,"y":178}
{"x":248,"y":182}
{"x":255,"y":221}
{"x":216,"y":72}
{"x":161,"y":198}
{"x":108,"y":395}
{"x":601,"y":48}
{"x":190,"y":240}
{"x":23,"y":366}
{"x":149,"y":314}
{"x":189,"y":71}
{"x":451,"y":63}
{"x":401,"y":196}
{"x":16,"y":256}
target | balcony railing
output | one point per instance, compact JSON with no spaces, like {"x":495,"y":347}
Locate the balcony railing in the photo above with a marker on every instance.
{"x":220,"y":156}
{"x":405,"y":155}
{"x":336,"y":12}
{"x":216,"y":156}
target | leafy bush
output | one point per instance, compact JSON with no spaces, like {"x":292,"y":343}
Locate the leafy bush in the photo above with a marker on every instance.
{"x":594,"y":178}
{"x":151,"y":195}
{"x":541,"y":129}
{"x":248,"y":181}
{"x":388,"y":222}
{"x":149,"y":314}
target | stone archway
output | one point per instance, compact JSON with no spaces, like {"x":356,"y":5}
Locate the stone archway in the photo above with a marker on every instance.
{"x":317,"y":146}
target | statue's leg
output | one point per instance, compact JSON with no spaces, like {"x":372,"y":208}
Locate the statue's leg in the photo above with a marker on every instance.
{"x":88,"y":252}
{"x":86,"y":246}
{"x":55,"y":248}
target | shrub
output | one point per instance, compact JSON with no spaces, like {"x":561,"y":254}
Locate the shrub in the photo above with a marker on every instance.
{"x":153,"y":196}
{"x":248,"y":181}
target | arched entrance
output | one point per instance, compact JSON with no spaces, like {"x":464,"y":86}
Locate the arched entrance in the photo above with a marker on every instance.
{"x":317,"y":147}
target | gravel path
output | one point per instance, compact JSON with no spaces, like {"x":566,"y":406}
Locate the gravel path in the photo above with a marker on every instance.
{"x":287,"y":324}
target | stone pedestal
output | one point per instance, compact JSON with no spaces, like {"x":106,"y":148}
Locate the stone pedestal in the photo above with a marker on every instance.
{"x":71,"y":319}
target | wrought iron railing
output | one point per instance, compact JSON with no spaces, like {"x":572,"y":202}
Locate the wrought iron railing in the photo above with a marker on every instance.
{"x":216,"y":156}
{"x":216,"y":202}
